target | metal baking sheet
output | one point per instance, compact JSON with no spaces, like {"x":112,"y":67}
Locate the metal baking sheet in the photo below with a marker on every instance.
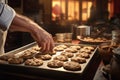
{"x":44,"y":70}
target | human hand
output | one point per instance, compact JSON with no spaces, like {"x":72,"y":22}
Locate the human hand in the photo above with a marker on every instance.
{"x":44,"y":39}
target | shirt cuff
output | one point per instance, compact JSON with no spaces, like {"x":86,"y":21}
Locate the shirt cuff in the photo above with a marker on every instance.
{"x":6,"y":17}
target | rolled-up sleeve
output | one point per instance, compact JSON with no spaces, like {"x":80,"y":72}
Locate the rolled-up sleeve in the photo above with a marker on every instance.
{"x":6,"y":16}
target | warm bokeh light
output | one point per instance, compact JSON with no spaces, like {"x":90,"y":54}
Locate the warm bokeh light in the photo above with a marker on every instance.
{"x":86,"y":10}
{"x":70,"y":9}
{"x":55,"y":9}
{"x":110,"y":9}
{"x":73,"y":10}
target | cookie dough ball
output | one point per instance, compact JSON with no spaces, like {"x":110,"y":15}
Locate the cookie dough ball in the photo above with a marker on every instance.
{"x":36,"y":48}
{"x":85,"y":50}
{"x":34,"y":62}
{"x":68,"y":54}
{"x":15,"y":60}
{"x":50,"y":53}
{"x":83,"y":55}
{"x":76,"y":47}
{"x":72,"y":66}
{"x":44,"y":57}
{"x":78,"y":59}
{"x":6,"y":56}
{"x":72,"y":50}
{"x":61,"y":58}
{"x":60,"y":47}
{"x":28,"y":54}
{"x":55,"y":64}
{"x":90,"y":48}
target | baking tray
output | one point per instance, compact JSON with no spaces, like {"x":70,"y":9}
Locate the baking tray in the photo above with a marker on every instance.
{"x":93,"y":42}
{"x":45,"y":71}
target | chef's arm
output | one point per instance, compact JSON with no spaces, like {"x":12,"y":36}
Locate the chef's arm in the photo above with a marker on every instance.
{"x":42,"y":37}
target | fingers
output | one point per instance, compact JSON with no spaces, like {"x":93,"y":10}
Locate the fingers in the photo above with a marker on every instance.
{"x":44,"y":40}
{"x":52,"y":45}
{"x":47,"y":45}
{"x":43,"y":46}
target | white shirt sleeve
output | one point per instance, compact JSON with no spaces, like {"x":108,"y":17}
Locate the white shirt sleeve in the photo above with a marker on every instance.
{"x":6,"y":16}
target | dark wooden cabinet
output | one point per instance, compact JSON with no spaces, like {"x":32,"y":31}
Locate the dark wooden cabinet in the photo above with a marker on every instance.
{"x":15,"y":40}
{"x":31,"y":6}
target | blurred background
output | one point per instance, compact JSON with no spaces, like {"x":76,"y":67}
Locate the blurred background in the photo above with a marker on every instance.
{"x":59,"y":16}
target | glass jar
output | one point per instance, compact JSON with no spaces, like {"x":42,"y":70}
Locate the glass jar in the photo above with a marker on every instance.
{"x":106,"y":53}
{"x":82,"y":31}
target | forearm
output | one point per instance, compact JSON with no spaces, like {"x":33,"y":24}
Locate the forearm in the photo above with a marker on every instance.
{"x":24,"y":24}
